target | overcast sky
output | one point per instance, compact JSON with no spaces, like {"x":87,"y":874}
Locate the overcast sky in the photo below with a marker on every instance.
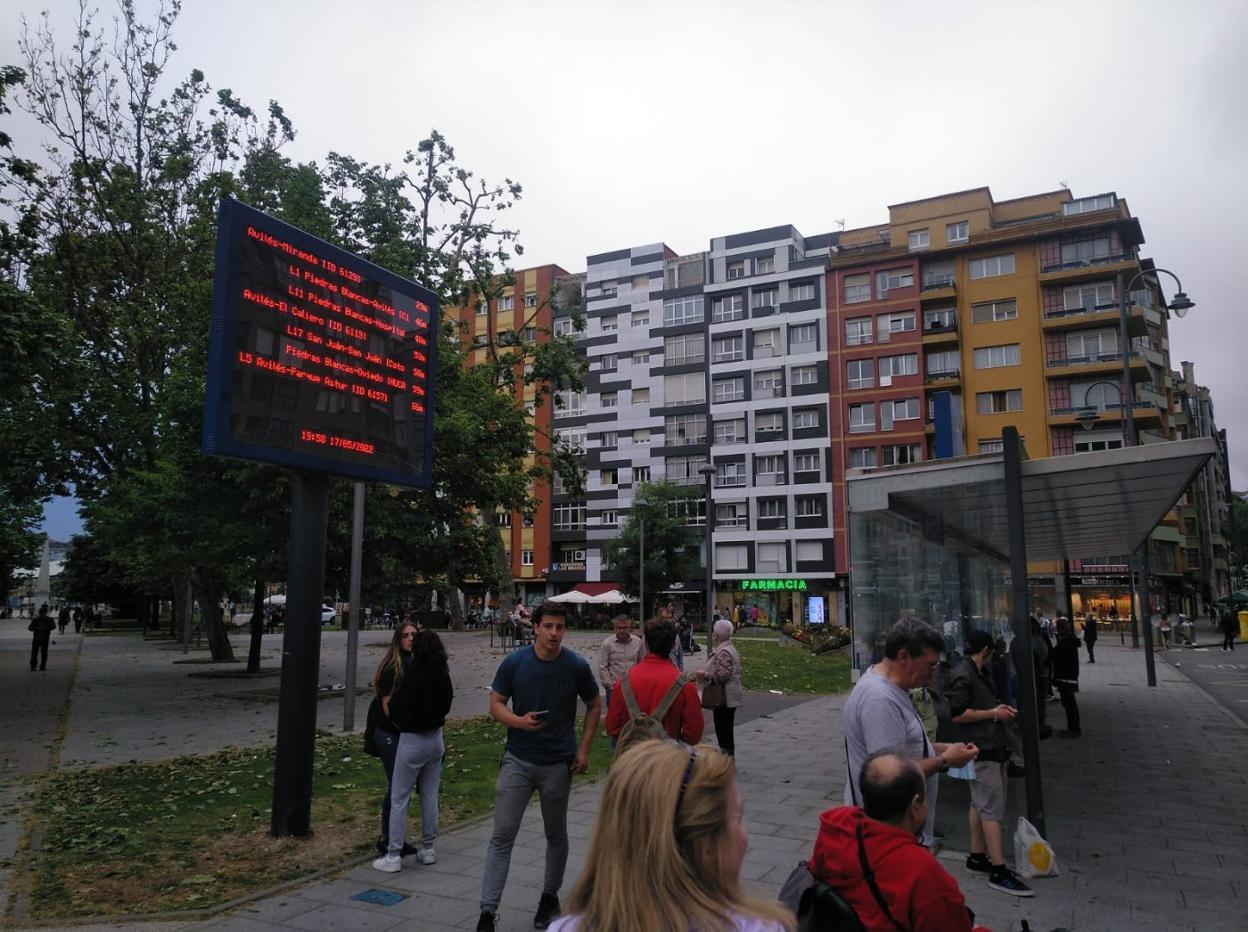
{"x":635,"y":122}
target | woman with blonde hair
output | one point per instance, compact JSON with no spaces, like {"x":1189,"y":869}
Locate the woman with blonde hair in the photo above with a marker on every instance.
{"x":385,"y":733}
{"x":667,"y":848}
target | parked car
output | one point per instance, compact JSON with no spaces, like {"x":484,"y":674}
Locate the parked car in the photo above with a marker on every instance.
{"x":242,"y":615}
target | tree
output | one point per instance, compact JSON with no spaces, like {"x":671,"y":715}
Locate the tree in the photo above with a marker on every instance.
{"x":671,"y":543}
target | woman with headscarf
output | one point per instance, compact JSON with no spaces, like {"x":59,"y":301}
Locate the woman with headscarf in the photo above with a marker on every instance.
{"x":721,"y":681}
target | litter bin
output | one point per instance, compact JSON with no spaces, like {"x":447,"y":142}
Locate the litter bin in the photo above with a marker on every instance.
{"x":1242,"y":615}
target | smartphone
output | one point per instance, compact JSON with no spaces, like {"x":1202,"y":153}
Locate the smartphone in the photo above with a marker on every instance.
{"x":542,"y":714}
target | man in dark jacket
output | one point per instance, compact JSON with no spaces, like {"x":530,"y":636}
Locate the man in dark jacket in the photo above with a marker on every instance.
{"x":1089,"y":638}
{"x":1229,"y":626}
{"x":1066,"y":675}
{"x":41,"y":627}
{"x":978,"y":717}
{"x":917,"y":891}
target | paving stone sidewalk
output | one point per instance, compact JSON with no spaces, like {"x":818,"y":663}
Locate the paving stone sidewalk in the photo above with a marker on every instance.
{"x":1148,"y":814}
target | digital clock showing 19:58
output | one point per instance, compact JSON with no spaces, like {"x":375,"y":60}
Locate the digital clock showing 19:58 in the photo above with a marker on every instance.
{"x":318,"y":360}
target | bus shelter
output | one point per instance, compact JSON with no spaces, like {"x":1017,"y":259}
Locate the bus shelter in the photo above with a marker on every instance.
{"x":948,"y":542}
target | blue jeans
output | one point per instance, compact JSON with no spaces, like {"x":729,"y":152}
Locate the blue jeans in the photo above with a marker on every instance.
{"x":417,"y":765}
{"x":387,"y":745}
{"x":517,"y":779}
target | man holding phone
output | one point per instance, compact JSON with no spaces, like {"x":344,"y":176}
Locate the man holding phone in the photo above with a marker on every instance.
{"x":542,"y":683}
{"x":980,"y":718}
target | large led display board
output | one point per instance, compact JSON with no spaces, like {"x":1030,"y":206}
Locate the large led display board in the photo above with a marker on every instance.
{"x":318,"y":359}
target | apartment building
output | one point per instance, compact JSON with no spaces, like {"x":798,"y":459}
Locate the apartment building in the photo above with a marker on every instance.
{"x":964,"y":314}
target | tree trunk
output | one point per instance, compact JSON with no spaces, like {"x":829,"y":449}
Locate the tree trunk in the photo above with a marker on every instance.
{"x":257,"y":628}
{"x":214,"y":620}
{"x":181,"y":608}
{"x":506,"y":584}
{"x":456,"y":600}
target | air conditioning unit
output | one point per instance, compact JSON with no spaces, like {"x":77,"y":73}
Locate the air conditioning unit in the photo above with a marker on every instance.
{"x":886,"y":381}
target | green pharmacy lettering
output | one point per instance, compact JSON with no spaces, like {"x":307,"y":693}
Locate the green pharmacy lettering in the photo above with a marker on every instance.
{"x":772,"y":585}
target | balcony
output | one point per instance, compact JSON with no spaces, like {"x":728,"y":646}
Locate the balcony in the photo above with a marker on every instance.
{"x":934,"y":287}
{"x":940,"y":332}
{"x":941,"y":378}
{"x":1106,"y":415}
{"x":1085,"y":365}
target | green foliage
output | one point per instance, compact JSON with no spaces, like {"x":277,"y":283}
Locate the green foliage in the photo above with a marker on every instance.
{"x":818,"y":639}
{"x":671,"y":544}
{"x":767,"y":665}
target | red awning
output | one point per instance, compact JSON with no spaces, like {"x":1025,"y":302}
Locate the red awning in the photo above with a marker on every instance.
{"x":594,"y":588}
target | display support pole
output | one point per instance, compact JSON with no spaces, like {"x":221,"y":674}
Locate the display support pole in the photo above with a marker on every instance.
{"x":301,"y":652}
{"x":1022,"y":624}
{"x":353,"y":620}
{"x":641,"y":570}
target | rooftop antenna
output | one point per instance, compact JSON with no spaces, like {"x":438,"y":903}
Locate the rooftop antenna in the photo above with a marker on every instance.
{"x":840,"y":223}
{"x":1064,"y":185}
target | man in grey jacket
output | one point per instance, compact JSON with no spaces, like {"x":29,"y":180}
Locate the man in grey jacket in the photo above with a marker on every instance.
{"x":978,"y":716}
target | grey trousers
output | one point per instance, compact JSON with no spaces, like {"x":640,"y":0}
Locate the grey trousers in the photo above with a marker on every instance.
{"x":417,"y":765}
{"x":517,"y":779}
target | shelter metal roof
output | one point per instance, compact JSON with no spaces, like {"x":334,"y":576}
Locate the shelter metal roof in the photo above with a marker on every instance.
{"x":1074,"y":506}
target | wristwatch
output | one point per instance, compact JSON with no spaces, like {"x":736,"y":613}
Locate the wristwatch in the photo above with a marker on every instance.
{"x":944,"y":766}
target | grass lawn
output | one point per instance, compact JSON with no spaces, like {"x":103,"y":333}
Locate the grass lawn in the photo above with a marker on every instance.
{"x":193,"y":832}
{"x":766,"y":665}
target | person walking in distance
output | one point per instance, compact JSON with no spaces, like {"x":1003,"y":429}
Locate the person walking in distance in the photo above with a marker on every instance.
{"x":1089,"y":638}
{"x":879,"y":715}
{"x":721,"y":680}
{"x":41,"y":627}
{"x":62,"y":619}
{"x":1066,"y":675}
{"x":1229,"y":629}
{"x":541,"y":683}
{"x":979,"y":717}
{"x":419,"y":709}
{"x":617,"y":653}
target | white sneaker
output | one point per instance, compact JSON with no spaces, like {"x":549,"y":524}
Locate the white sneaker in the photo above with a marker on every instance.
{"x":426,"y":856}
{"x":391,"y":864}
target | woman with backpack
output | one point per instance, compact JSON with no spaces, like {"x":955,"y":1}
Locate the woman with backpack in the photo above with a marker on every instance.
{"x":667,"y":848}
{"x":721,"y":680}
{"x":384,"y":732}
{"x":418,"y":707}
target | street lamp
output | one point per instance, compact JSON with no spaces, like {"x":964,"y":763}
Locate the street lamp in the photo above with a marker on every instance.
{"x":707,"y":471}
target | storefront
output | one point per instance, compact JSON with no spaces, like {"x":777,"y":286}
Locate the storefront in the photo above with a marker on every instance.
{"x":773,"y":602}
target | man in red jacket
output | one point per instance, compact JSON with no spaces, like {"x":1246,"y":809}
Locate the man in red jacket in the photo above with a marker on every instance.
{"x":871,"y":856}
{"x":650,"y":679}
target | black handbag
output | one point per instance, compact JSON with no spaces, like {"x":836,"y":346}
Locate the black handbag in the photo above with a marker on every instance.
{"x":370,"y":722}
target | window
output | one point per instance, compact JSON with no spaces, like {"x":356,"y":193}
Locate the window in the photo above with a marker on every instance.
{"x":767,"y":298}
{"x":809,"y":551}
{"x":1087,"y":204}
{"x":805,"y":418}
{"x":944,"y":362}
{"x":992,"y":311}
{"x":569,"y":403}
{"x":641,"y":436}
{"x":803,"y":338}
{"x":683,"y":470}
{"x":772,"y":508}
{"x":530,"y":299}
{"x":805,"y":291}
{"x":958,"y":232}
{"x":736,"y":269}
{"x":610,"y":518}
{"x":768,"y":423}
{"x":1097,"y":441}
{"x":902,"y":454}
{"x":641,"y":318}
{"x":766,"y":343}
{"x":992,"y":446}
{"x":503,"y":519}
{"x":641,"y":396}
{"x":608,"y":477}
{"x":992,"y":357}
{"x":610,"y":440}
{"x":1091,"y":345}
{"x":857,"y":289}
{"x":571,"y":554}
{"x":992,"y":266}
{"x":730,"y":389}
{"x":530,"y":334}
{"x":481,"y":339}
{"x":769,"y":383}
{"x":804,"y":375}
{"x":1089,"y":296}
{"x":918,"y":239}
{"x":888,"y":324}
{"x":688,"y":388}
{"x":727,"y":432}
{"x":526,"y":557}
{"x":687,"y":310}
{"x":806,"y":462}
{"x":682,"y":429}
{"x":764,"y":265}
{"x":609,"y":363}
{"x":808,"y":506}
{"x":862,"y":418}
{"x":568,"y":516}
{"x":683,"y":349}
{"x":892,"y":278}
{"x":563,"y":327}
{"x":729,"y":307}
{"x":729,"y":474}
{"x":1102,"y":395}
{"x":609,"y":399}
{"x":732,"y":558}
{"x":773,"y":558}
{"x":641,"y":357}
{"x":769,"y":469}
{"x":641,"y":474}
{"x":940,"y":319}
{"x":907,"y":409}
{"x":610,"y":324}
{"x":483,"y":306}
{"x":506,"y":303}
{"x":641,"y":282}
{"x":728,"y":349}
{"x":862,"y":458}
{"x":893,"y":366}
{"x":860,"y":373}
{"x":857,"y":331}
{"x":732,"y":514}
{"x":999,"y":402}
{"x":571,"y":438}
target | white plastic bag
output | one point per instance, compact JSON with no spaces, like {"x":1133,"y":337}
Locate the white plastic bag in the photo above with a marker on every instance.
{"x":1033,"y":856}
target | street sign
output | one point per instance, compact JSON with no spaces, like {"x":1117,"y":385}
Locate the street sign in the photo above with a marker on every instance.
{"x":318,"y":359}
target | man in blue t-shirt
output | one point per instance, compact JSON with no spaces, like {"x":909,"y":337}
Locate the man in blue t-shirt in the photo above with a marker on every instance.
{"x":542,"y":683}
